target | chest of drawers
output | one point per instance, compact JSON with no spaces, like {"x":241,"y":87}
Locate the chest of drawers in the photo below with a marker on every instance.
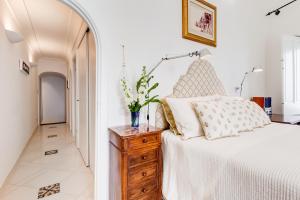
{"x":135,"y":163}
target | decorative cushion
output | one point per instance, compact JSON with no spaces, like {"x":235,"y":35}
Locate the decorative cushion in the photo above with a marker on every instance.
{"x":239,"y":111}
{"x":258,"y":116}
{"x":186,"y":120}
{"x":215,"y":119}
{"x":169,"y":116}
{"x":160,"y":119}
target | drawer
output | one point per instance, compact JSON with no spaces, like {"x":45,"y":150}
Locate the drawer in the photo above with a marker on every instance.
{"x":149,"y":196}
{"x":139,"y":175}
{"x":141,"y":142}
{"x":141,"y":158}
{"x":143,"y":190}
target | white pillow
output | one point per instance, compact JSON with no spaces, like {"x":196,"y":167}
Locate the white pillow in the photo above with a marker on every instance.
{"x":231,"y":98}
{"x":258,"y":116}
{"x":186,"y":119}
{"x":239,"y":111}
{"x":215,"y":119}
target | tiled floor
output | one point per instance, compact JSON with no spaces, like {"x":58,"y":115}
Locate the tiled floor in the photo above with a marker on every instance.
{"x":35,"y":170}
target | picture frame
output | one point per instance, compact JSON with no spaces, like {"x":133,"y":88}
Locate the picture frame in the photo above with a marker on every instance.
{"x":24,"y":67}
{"x":199,"y":22}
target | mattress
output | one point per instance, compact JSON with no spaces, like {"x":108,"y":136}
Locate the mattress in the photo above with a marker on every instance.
{"x":260,"y":165}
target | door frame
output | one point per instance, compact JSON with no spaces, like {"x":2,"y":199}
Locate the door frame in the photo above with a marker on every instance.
{"x":41,"y":100}
{"x":83,"y":111}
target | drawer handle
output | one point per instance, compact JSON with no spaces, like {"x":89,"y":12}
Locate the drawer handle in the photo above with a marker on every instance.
{"x":145,"y":140}
{"x":144,"y":157}
{"x":144,"y":190}
{"x":144,"y":174}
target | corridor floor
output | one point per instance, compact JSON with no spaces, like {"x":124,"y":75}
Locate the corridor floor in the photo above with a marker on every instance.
{"x":60,"y":175}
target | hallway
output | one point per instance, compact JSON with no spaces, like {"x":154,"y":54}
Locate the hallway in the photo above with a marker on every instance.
{"x":35,"y":170}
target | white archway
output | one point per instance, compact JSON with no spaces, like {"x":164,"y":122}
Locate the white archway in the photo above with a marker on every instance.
{"x":101,"y":156}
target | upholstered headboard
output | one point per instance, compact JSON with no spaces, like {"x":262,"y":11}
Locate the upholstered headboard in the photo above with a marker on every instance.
{"x":200,"y":80}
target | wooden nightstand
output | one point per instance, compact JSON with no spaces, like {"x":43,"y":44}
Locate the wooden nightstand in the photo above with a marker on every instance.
{"x":135,"y":163}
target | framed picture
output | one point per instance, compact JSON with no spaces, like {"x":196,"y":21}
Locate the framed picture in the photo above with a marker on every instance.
{"x":24,"y":67}
{"x":199,"y":21}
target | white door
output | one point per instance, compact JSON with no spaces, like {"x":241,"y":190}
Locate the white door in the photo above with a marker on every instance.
{"x":291,"y":75}
{"x":82,"y":99}
{"x":53,"y":99}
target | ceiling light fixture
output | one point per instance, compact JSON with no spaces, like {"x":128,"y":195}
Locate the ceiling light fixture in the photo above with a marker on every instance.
{"x":277,"y":11}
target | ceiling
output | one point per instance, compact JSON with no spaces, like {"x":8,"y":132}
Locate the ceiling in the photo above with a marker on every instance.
{"x":49,"y":27}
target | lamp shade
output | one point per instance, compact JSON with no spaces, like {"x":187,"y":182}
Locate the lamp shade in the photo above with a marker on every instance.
{"x":204,"y":53}
{"x":13,"y":36}
{"x":255,"y":69}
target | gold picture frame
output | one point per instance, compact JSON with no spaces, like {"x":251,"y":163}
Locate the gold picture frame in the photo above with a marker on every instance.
{"x":199,"y":21}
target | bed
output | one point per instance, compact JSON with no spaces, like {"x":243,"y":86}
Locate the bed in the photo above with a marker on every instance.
{"x":263,"y":164}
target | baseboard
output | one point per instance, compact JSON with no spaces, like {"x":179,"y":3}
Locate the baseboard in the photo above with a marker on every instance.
{"x":53,"y":123}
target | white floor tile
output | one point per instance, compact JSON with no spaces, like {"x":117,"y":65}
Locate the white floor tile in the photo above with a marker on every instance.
{"x":47,"y":177}
{"x":35,"y":170}
{"x":23,"y":193}
{"x":6,"y":189}
{"x":77,"y":183}
{"x":22,"y":173}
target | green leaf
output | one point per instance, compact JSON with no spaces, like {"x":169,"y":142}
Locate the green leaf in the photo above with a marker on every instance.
{"x":155,"y":85}
{"x":138,"y":84}
{"x":151,"y":100}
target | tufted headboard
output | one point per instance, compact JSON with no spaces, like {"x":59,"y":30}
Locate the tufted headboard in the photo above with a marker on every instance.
{"x":200,"y":80}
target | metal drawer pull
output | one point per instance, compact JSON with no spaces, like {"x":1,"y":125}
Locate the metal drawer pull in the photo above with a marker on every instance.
{"x":145,"y":140}
{"x":144,"y":174}
{"x":144,"y":190}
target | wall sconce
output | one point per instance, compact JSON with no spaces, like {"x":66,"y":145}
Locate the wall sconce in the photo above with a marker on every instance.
{"x":277,"y":11}
{"x":254,"y":70}
{"x":13,"y":36}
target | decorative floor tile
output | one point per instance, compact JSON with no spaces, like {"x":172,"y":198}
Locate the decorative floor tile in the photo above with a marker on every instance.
{"x":52,"y":136}
{"x":47,"y":153}
{"x":49,"y":190}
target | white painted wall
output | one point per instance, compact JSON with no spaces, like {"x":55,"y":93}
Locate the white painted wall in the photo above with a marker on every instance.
{"x":52,"y":65}
{"x":18,"y":111}
{"x":53,"y":98}
{"x":278,"y":27}
{"x":152,"y":29}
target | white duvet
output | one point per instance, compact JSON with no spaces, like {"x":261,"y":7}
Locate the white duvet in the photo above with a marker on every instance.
{"x":259,"y":165}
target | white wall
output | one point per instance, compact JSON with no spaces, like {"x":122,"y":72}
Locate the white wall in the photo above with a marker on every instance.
{"x":18,"y":111}
{"x":152,"y":29}
{"x":279,"y":26}
{"x":52,"y":65}
{"x":53,"y":98}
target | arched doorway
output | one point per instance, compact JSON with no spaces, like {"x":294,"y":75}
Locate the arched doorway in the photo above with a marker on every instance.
{"x":101,"y":153}
{"x":53,"y":97}
{"x":82,"y":13}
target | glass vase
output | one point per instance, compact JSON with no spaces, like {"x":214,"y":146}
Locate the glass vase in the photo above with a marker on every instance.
{"x":135,"y":118}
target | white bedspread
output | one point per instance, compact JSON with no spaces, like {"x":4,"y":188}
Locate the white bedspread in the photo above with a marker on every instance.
{"x":259,"y":165}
